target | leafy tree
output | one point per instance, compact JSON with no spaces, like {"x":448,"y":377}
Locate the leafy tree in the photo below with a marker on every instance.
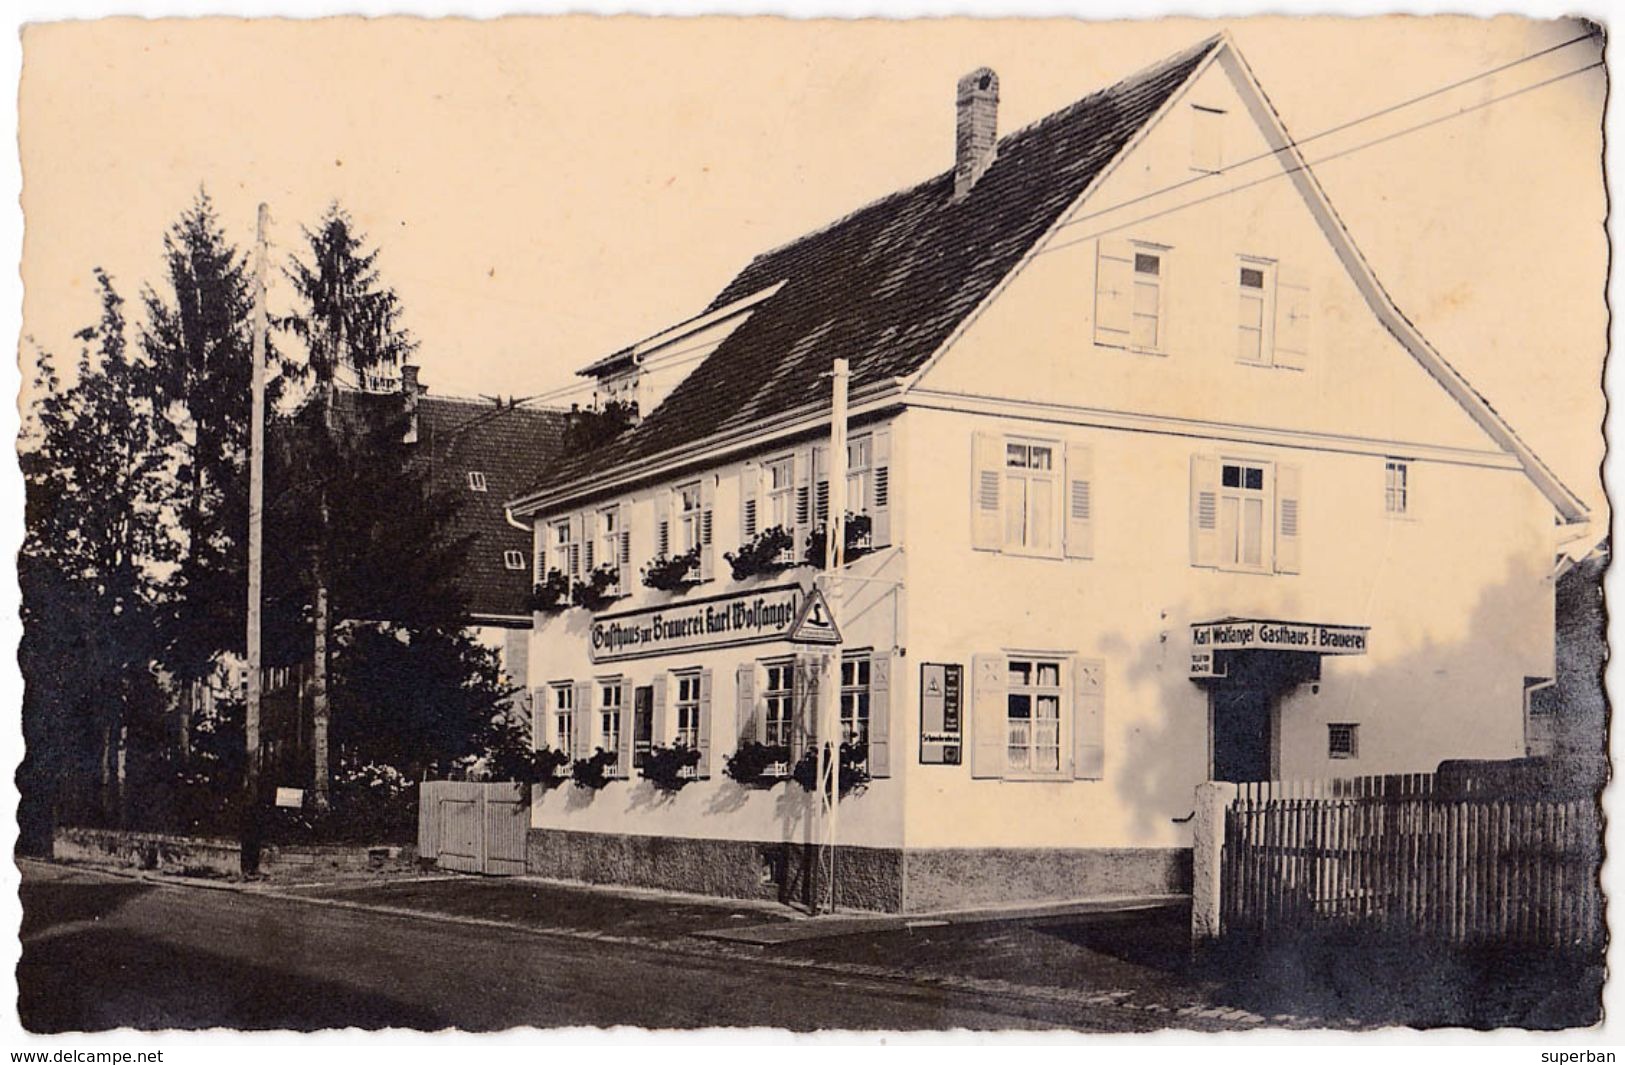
{"x":590,"y":429}
{"x":97,"y":492}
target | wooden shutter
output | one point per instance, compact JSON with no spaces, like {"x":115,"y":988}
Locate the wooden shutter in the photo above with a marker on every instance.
{"x":749,"y":477}
{"x":1114,"y":291}
{"x":990,"y":729}
{"x":1293,"y":317}
{"x":820,"y":474}
{"x":748,"y":722}
{"x":1088,"y":718}
{"x":659,"y":727}
{"x":703,"y":730}
{"x":880,"y":715}
{"x":804,"y":706}
{"x":802,"y":463}
{"x":538,"y":543}
{"x":879,"y":501}
{"x":577,"y":534}
{"x":539,"y":725}
{"x":623,"y":752}
{"x":626,"y":549}
{"x":1288,"y":516}
{"x":663,"y":523}
{"x":589,"y":543}
{"x":708,"y":509}
{"x":1204,"y":510}
{"x":1080,"y":502}
{"x":986,"y":489}
{"x":581,"y":718}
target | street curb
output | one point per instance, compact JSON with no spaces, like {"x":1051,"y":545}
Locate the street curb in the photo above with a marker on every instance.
{"x":1189,"y":1017}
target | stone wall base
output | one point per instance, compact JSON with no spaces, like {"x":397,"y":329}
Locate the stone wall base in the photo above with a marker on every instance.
{"x":200,"y":856}
{"x":890,"y":880}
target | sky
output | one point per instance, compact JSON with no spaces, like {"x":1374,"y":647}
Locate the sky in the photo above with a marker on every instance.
{"x":547,"y":190}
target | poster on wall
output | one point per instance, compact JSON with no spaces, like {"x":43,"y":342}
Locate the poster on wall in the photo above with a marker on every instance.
{"x":942,"y":687}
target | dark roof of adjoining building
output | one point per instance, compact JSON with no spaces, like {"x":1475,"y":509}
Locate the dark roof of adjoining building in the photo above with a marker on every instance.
{"x":887,"y":285}
{"x":503,"y":444}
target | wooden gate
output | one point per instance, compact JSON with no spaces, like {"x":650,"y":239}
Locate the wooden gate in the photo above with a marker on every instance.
{"x":473,"y":828}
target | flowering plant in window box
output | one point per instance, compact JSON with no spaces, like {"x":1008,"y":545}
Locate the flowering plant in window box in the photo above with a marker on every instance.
{"x":753,"y":763}
{"x":669,"y":768}
{"x":593,"y":772}
{"x":599,"y":589}
{"x":854,"y":768}
{"x":551,"y":594}
{"x":856,"y":531}
{"x":671,"y":573}
{"x":767,"y":552}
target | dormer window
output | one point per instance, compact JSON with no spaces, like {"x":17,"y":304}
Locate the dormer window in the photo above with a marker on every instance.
{"x":476,"y":481}
{"x":514,"y":559}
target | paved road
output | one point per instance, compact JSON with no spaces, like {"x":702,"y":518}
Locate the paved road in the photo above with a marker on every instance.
{"x":102,"y":951}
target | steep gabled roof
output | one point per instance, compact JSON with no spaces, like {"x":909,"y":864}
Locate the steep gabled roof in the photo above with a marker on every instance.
{"x":503,"y":444}
{"x":886,"y":285}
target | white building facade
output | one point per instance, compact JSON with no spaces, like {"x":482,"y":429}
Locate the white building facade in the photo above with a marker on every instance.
{"x":1156,"y":493}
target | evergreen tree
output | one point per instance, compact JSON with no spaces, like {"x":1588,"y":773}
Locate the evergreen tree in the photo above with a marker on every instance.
{"x":198,"y":340}
{"x":348,"y":320}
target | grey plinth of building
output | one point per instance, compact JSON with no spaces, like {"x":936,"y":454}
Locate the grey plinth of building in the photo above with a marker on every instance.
{"x":1212,"y":798}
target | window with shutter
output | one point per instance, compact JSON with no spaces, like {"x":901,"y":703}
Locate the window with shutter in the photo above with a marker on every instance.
{"x":1204,"y":510}
{"x":1030,"y":492}
{"x":1080,"y":516}
{"x":987,"y":473}
{"x":1288,"y":518}
{"x":1114,"y":270}
{"x":1294,"y":318}
{"x":1146,"y":317}
{"x":1207,"y":139}
{"x":1256,"y":309}
{"x":879,"y":503}
{"x":779,"y":476}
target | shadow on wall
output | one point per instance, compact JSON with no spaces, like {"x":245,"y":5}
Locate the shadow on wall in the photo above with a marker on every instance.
{"x":1451,"y":697}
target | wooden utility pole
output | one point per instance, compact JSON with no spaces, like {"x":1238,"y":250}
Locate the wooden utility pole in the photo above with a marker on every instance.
{"x":256,"y":552}
{"x":829,"y":710}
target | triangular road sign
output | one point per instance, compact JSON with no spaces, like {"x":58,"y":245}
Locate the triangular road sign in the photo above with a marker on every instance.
{"x":815,"y":623}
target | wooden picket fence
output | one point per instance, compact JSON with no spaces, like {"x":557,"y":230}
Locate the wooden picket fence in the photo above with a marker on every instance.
{"x":1401,"y":855}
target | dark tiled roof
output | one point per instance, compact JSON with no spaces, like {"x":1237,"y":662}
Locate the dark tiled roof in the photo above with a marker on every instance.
{"x":505,"y":444}
{"x":886,"y":285}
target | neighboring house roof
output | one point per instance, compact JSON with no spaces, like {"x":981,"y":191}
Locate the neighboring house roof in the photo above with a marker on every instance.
{"x":886,"y":285}
{"x":889,"y":286}
{"x":502,"y":443}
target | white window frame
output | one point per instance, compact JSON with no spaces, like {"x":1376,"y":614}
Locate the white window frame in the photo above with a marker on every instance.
{"x":1035,"y":691}
{"x":1396,"y":492}
{"x":559,"y":545}
{"x":779,"y":499}
{"x":476,"y":481}
{"x":513,"y":559}
{"x":685,"y":713}
{"x":1155,"y":283}
{"x":687,"y":520}
{"x":1026,"y":499}
{"x":857,"y":705}
{"x":1263,"y":299}
{"x":1230,"y":548}
{"x":1340,"y":753}
{"x":608,"y":705}
{"x":563,"y":718}
{"x":608,"y":549}
{"x":778,"y":704}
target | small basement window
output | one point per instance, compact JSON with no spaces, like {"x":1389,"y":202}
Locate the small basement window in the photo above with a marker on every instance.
{"x":476,"y":481}
{"x":1343,"y":741}
{"x":513,"y":559}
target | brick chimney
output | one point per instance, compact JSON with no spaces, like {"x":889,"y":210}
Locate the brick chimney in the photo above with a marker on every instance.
{"x":976,"y":128}
{"x":410,"y":391}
